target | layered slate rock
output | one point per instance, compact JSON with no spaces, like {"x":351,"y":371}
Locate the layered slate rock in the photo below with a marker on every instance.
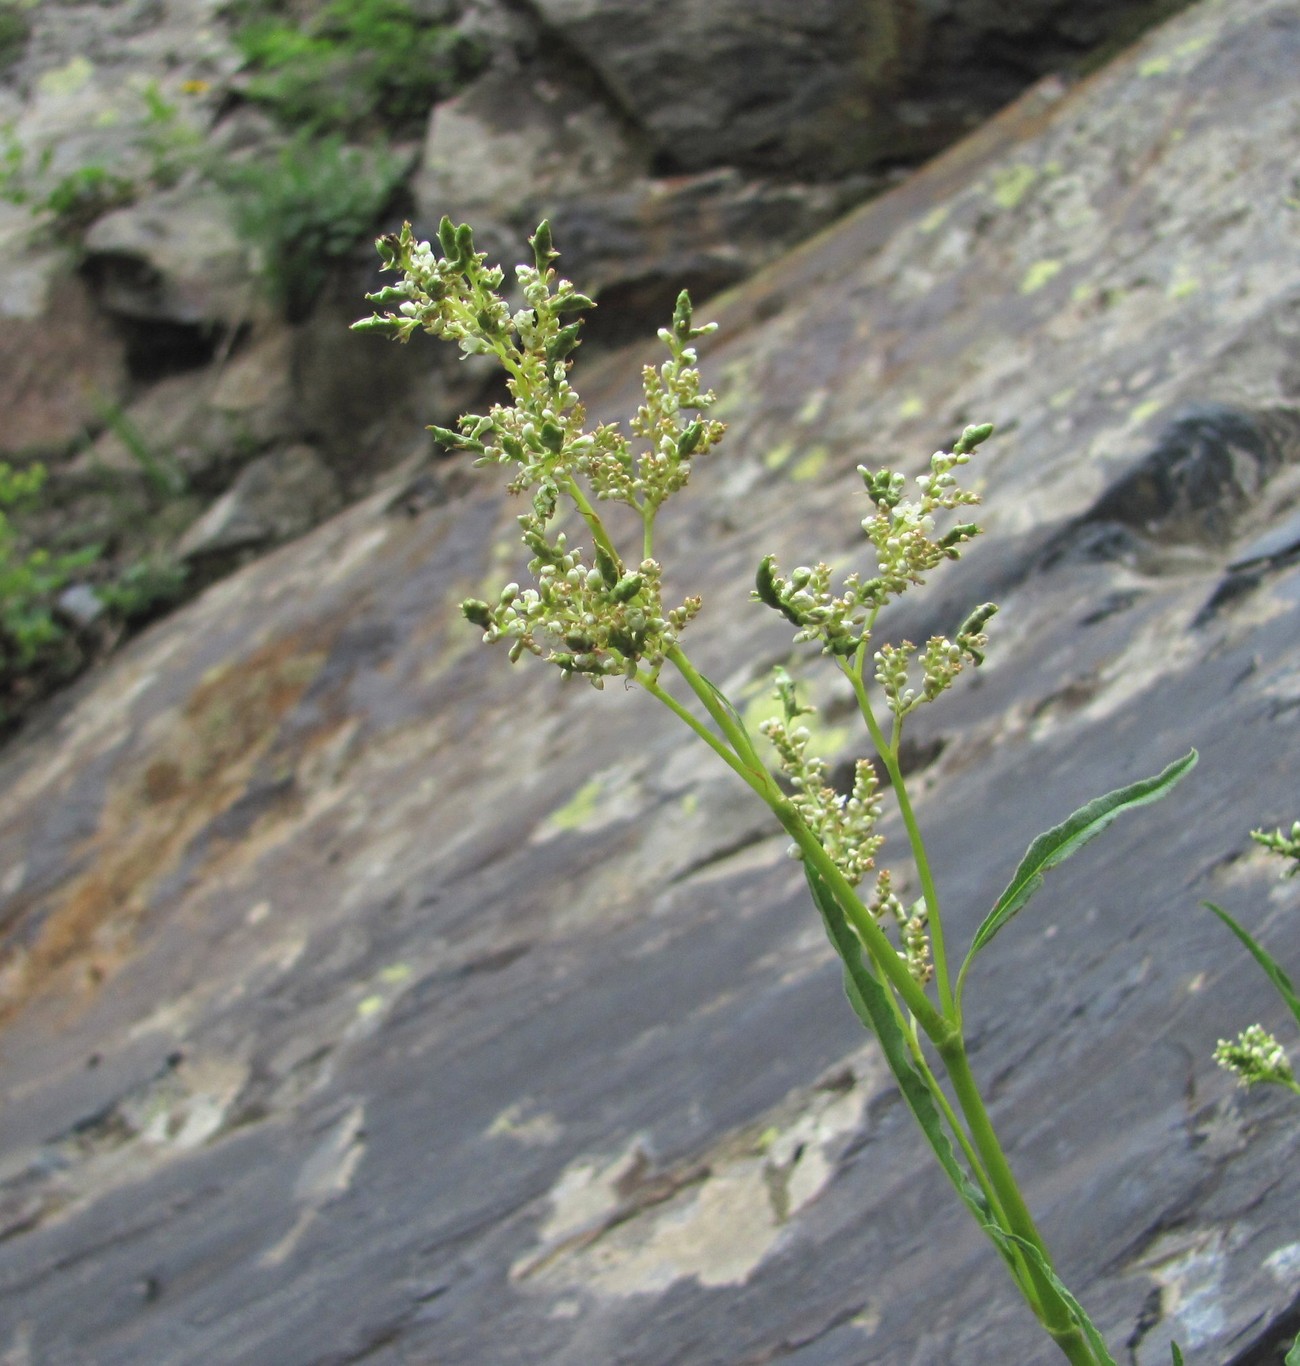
{"x":368,"y":1000}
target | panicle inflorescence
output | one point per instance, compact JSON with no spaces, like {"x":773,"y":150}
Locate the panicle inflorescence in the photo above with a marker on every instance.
{"x":592,"y":617}
{"x":907,"y":546}
{"x":1255,"y":1056}
{"x":844,"y":825}
{"x":1286,"y":846}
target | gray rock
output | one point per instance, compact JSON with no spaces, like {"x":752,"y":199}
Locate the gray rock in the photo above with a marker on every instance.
{"x":516,"y":137}
{"x":60,"y":360}
{"x":276,"y":497}
{"x":81,"y":604}
{"x":819,"y":89}
{"x":205,"y":424}
{"x":174,"y":257}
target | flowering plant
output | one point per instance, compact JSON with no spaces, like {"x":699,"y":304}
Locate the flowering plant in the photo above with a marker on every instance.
{"x":600,"y":613}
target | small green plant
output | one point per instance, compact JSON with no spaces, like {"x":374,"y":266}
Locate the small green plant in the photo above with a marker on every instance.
{"x":1255,"y":1056}
{"x":15,"y":29}
{"x":32,"y":638}
{"x":308,"y":206}
{"x":358,"y":62}
{"x":77,"y":199}
{"x":144,"y":591}
{"x":601,"y":614}
{"x":163,"y":474}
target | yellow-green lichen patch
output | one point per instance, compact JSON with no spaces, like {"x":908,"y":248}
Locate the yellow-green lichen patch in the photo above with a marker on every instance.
{"x":1039,"y":274}
{"x":813,"y":406}
{"x":809,"y":465}
{"x":1182,"y":286}
{"x":1144,"y":411}
{"x":778,"y":455}
{"x":1011,"y":184}
{"x":911,"y":406}
{"x":579,"y":809}
{"x":936,"y":218}
{"x":68,"y":79}
{"x":611,"y":796}
{"x":520,"y":1123}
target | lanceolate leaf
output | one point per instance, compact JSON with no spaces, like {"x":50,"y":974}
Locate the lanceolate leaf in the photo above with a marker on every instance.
{"x":1057,"y":844}
{"x":871,"y":1005}
{"x":1266,"y":961}
{"x":1096,"y":1342}
{"x":1292,"y":1358}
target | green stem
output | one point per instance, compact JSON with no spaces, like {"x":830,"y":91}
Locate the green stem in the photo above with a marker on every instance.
{"x":651,"y":684}
{"x":591,"y":517}
{"x":1052,"y":1310}
{"x":743,"y":759}
{"x":889,"y":757}
{"x":722,"y":717}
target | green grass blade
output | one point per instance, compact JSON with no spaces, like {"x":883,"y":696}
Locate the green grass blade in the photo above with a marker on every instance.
{"x":1178,"y":1356}
{"x":1057,"y":844}
{"x":1292,"y":1358}
{"x":1266,"y":961}
{"x":867,"y":996}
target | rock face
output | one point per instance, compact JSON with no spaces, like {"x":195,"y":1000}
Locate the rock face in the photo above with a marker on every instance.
{"x":369,"y":1000}
{"x":821,"y":88}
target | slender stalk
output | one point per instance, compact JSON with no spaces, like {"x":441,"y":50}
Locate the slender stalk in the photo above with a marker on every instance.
{"x":889,"y":757}
{"x":1053,"y":1312}
{"x":591,"y":517}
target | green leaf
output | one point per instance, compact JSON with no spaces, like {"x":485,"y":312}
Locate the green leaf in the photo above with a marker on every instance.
{"x":1292,"y":1358}
{"x":1058,"y":843}
{"x":1178,"y":1356}
{"x":1266,"y":961}
{"x":750,"y":754}
{"x":871,"y":1005}
{"x":1078,"y":1313}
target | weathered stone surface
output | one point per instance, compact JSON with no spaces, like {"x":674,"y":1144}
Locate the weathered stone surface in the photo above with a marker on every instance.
{"x":276,"y":497}
{"x":204,"y":424}
{"x":825,"y":87}
{"x":369,"y":1000}
{"x":521,"y":145}
{"x":174,"y":258}
{"x":60,"y":360}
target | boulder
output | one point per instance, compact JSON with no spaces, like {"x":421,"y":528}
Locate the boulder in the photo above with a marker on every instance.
{"x":61,"y":361}
{"x":174,"y":258}
{"x":367,"y":999}
{"x":275,"y":498}
{"x":825,"y":88}
{"x":200,"y":426}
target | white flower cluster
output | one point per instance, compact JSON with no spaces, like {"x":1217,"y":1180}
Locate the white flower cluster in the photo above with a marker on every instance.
{"x":596,"y":618}
{"x":903,"y":534}
{"x":1255,"y":1056}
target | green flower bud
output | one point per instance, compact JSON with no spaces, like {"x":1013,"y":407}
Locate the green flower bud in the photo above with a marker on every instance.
{"x":552,"y":435}
{"x":543,"y":248}
{"x":375,"y":325}
{"x":689,"y":440}
{"x":570,"y":303}
{"x":465,"y":243}
{"x":565,"y":340}
{"x":610,"y":570}
{"x":447,"y":240}
{"x":628,"y":587}
{"x":972,"y":437}
{"x":477,"y":612}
